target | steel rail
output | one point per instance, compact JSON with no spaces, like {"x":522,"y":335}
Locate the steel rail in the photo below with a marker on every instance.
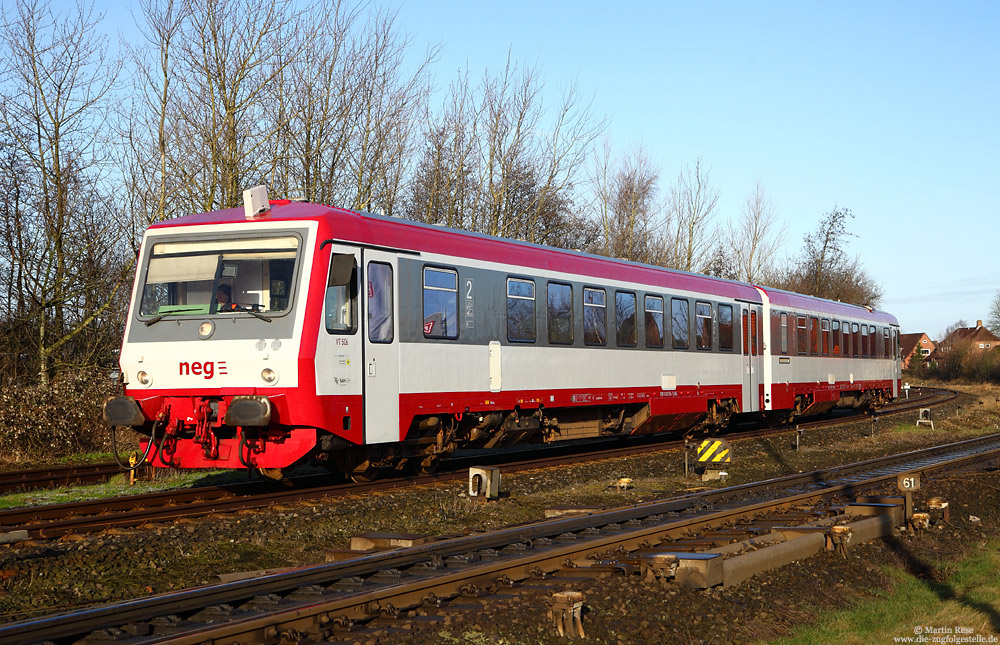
{"x":49,"y":521}
{"x":22,"y":480}
{"x":423,"y":573}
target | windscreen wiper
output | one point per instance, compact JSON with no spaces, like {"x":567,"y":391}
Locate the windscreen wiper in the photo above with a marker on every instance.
{"x":256,"y":315}
{"x":158,"y":318}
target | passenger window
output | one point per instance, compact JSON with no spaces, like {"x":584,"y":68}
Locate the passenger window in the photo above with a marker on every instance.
{"x":726,"y":328}
{"x":864,"y":341}
{"x":886,"y":343}
{"x":814,"y":335}
{"x":654,"y":321}
{"x":679,"y":316}
{"x":520,"y":310}
{"x":341,"y":300}
{"x":380,"y":302}
{"x":803,"y":337}
{"x":836,"y":338}
{"x":560,"y":312}
{"x":595,"y":321}
{"x":784,"y":333}
{"x":754,"y":333}
{"x":440,"y":303}
{"x":873,"y":342}
{"x":826,"y":336}
{"x":625,"y":319}
{"x":703,"y":325}
{"x":856,"y":339}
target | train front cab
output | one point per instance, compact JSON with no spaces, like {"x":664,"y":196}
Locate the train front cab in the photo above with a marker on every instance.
{"x":219,"y":386}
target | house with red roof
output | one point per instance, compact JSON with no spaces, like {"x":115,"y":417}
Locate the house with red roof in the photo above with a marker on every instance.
{"x":911,"y":345}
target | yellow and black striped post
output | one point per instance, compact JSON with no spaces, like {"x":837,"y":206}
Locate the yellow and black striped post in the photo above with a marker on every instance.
{"x":714,"y":453}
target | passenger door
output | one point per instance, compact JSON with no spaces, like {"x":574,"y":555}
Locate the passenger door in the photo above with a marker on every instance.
{"x":381,"y":347}
{"x":750,"y":323}
{"x":339,"y":349}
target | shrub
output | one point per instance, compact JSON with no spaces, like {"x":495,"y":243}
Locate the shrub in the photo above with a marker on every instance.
{"x":62,"y":419}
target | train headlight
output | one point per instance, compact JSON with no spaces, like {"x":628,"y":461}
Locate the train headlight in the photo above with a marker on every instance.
{"x":270,"y":376}
{"x":206,"y":329}
{"x":143,"y":378}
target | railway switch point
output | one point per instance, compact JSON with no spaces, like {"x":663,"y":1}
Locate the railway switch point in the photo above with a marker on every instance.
{"x":659,"y":566}
{"x":925,"y":417}
{"x":699,"y":570}
{"x":484,"y":482}
{"x":839,"y":537}
{"x":920,"y":522}
{"x":566,"y":613}
{"x":938,"y":509}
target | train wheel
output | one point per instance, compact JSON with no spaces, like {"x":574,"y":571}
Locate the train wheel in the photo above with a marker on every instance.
{"x":428,"y":465}
{"x":365,"y":472}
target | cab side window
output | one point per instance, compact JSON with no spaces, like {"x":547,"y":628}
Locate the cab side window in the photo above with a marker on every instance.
{"x":341,"y":302}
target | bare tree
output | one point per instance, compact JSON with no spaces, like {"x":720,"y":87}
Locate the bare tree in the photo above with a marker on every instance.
{"x":223,"y":128}
{"x":146,"y":127}
{"x":559,"y":162}
{"x":384,"y":110}
{"x":692,"y":203}
{"x":442,"y":190}
{"x":510,"y":113}
{"x":993,"y":317}
{"x":754,"y":238}
{"x":495,"y":161}
{"x":55,"y":82}
{"x":626,"y":205}
{"x":825,"y":270}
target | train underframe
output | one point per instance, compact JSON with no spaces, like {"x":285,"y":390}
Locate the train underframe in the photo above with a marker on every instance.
{"x":434,"y":438}
{"x":239,"y":432}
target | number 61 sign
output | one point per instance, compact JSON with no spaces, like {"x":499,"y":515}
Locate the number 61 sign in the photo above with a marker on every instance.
{"x":908,"y":482}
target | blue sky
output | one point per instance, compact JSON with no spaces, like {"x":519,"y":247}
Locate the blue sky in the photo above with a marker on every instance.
{"x":887,"y":108}
{"x":890,"y":109}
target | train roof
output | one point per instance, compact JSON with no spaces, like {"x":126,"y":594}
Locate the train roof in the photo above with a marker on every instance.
{"x":394,"y":232}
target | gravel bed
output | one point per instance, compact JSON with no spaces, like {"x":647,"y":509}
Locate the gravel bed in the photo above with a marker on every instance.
{"x":44,"y":577}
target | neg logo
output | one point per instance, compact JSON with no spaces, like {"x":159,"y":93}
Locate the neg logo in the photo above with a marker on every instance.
{"x":207,"y":369}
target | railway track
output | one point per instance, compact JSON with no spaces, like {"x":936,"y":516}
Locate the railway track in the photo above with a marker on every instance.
{"x":55,"y":520}
{"x":375,"y":593}
{"x":50,"y":477}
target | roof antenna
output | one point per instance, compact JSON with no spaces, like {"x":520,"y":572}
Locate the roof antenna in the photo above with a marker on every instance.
{"x":255,"y":203}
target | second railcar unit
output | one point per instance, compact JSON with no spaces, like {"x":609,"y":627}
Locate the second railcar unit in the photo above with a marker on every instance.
{"x":258,"y":339}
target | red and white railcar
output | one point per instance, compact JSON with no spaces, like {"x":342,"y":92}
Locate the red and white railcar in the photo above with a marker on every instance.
{"x":261,"y":339}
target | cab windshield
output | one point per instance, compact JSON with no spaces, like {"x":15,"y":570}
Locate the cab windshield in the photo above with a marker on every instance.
{"x":220,"y":276}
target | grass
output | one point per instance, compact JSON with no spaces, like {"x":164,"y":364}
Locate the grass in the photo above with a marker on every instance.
{"x":969,"y":599}
{"x":118,"y":486}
